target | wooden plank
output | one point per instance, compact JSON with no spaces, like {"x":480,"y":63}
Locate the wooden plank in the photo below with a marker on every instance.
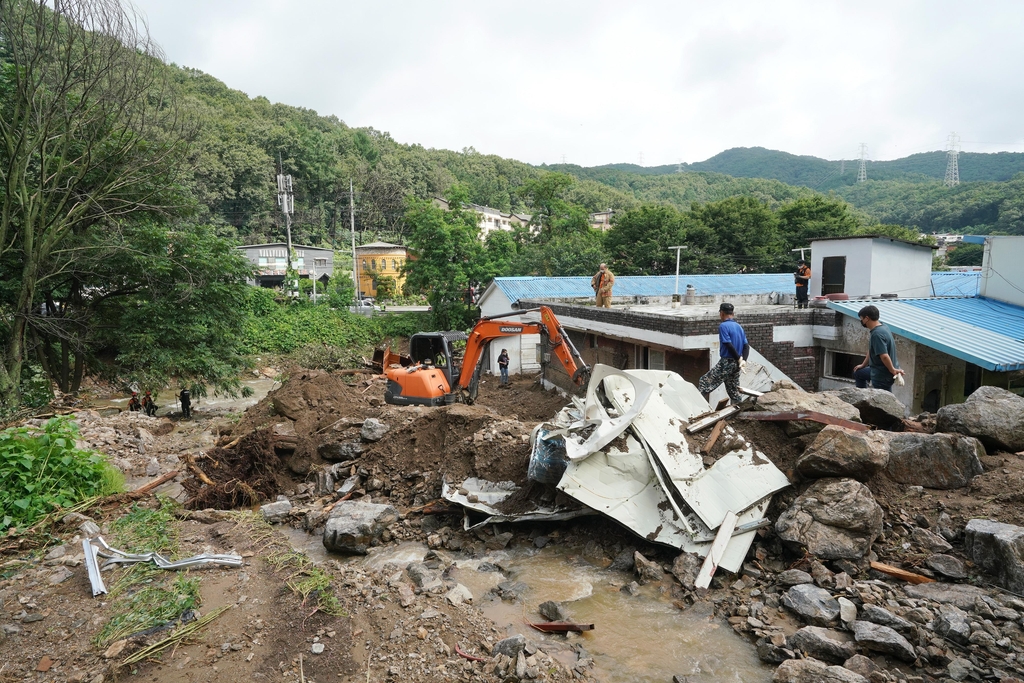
{"x":717,"y":550}
{"x":561,"y":627}
{"x":715,"y":433}
{"x":811,"y":415}
{"x":897,"y":573}
{"x":711,"y":418}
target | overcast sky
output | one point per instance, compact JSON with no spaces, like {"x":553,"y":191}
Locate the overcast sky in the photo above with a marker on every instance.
{"x":603,"y":81}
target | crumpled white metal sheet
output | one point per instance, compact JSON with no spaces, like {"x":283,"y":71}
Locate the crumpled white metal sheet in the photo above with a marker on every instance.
{"x":487,"y":494}
{"x":579,"y":443}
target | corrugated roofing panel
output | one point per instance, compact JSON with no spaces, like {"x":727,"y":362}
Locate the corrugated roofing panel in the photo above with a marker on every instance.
{"x":515,"y":288}
{"x":954,"y":283}
{"x":985,"y":332}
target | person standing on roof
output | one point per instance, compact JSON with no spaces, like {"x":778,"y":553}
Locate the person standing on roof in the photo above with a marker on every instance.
{"x":602,"y":285}
{"x":802,"y":276}
{"x":503,"y":366}
{"x":881,"y":366}
{"x":734,"y":352}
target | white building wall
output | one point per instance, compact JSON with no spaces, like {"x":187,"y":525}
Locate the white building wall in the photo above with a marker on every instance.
{"x":856,"y":251}
{"x":900,"y":268}
{"x":1002,"y":273}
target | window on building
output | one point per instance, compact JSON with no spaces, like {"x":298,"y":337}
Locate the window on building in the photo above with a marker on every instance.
{"x":655,"y":359}
{"x":373,"y":264}
{"x":840,"y":365}
{"x":394,"y":265}
{"x":364,"y":264}
{"x":833,"y":275}
{"x":320,"y":262}
{"x":263,"y":261}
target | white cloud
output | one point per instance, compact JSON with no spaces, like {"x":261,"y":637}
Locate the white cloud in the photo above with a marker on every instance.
{"x":603,"y":81}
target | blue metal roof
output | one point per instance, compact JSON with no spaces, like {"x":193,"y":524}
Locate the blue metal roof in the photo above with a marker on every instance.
{"x":955,"y":283}
{"x":985,"y":332}
{"x":529,"y":287}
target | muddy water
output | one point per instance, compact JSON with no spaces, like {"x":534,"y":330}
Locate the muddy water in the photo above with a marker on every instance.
{"x":637,"y":638}
{"x":167,"y":403}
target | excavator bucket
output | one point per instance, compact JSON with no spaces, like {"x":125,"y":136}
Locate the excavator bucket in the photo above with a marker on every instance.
{"x":384,"y":358}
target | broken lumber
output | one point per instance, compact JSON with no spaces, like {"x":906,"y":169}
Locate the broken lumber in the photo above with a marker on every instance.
{"x":194,"y":468}
{"x":717,"y":550}
{"x":811,"y":415}
{"x":711,"y":418}
{"x":560,"y":627}
{"x":144,"y":490}
{"x":897,"y":573}
{"x":715,"y":433}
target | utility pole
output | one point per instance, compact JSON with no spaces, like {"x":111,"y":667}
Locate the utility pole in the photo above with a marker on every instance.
{"x":352,"y":222}
{"x":862,"y":172}
{"x":952,"y":160}
{"x":286,"y":200}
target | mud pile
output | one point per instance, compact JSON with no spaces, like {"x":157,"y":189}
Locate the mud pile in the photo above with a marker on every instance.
{"x":241,"y":476}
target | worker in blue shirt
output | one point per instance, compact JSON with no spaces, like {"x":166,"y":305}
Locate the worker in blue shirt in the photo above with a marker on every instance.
{"x":734,"y":352}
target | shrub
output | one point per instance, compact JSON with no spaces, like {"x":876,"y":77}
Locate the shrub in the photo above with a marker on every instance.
{"x":42,"y":470}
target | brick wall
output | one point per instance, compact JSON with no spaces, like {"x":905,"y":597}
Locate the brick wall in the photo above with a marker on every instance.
{"x":803,"y":364}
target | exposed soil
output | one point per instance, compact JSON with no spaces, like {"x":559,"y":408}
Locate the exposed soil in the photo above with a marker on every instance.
{"x":242,"y":476}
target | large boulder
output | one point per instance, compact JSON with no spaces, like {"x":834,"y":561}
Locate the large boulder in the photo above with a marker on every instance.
{"x":834,"y":519}
{"x":960,"y":595}
{"x":811,"y":670}
{"x":785,"y":398}
{"x":338,"y":451}
{"x":876,"y":406}
{"x":994,"y":416}
{"x":292,"y":407}
{"x":822,"y":643}
{"x":354,"y":526}
{"x":840,"y":452}
{"x":373,"y":429}
{"x":999,"y":549}
{"x":812,"y":604}
{"x":935,"y":461}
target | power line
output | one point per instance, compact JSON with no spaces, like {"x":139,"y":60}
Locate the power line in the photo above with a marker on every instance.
{"x":952,"y":164}
{"x":862,"y":172}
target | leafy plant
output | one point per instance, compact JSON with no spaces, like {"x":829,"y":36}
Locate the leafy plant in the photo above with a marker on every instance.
{"x":43,"y":469}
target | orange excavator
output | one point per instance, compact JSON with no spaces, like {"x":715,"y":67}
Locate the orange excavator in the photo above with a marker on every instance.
{"x":434,"y":376}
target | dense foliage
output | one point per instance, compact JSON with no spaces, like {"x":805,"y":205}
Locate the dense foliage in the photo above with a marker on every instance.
{"x":42,"y":470}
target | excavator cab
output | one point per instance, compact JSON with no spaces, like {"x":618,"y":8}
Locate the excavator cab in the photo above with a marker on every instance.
{"x":433,"y":370}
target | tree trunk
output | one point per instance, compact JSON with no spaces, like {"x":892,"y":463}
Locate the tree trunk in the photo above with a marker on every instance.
{"x":76,"y":381}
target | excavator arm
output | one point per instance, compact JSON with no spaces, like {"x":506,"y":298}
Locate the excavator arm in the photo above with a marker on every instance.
{"x":488,"y":329}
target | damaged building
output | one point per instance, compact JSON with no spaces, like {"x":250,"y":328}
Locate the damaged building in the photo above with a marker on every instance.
{"x":954,"y":331}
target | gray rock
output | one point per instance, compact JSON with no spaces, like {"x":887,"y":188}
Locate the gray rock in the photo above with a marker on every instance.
{"x":373,"y":430}
{"x":958,"y":594}
{"x":292,"y":407}
{"x":999,"y":549}
{"x":883,"y":639}
{"x":276,"y":512}
{"x":349,"y":485}
{"x":59,"y":575}
{"x":946,"y":565}
{"x":812,"y":671}
{"x":883,"y":617}
{"x":647,"y":571}
{"x":794,"y":577}
{"x":812,"y":604}
{"x":632,"y":588}
{"x":511,"y":591}
{"x":953,"y":623}
{"x":839,"y":452}
{"x":354,"y":526}
{"x":929,"y":541}
{"x":458,"y":595}
{"x":423,"y":577}
{"x":510,"y":647}
{"x":623,"y":562}
{"x":685,"y":568}
{"x":859,"y":664}
{"x":822,"y":643}
{"x":876,"y":406}
{"x":993,"y":415}
{"x":847,"y":611}
{"x":935,"y":461}
{"x":338,"y":451}
{"x":56,"y":552}
{"x":959,"y":669}
{"x":552,"y":611}
{"x":793,"y":399}
{"x":833,"y":519}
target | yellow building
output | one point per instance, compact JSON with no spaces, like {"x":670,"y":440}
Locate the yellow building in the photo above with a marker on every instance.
{"x":379,"y":259}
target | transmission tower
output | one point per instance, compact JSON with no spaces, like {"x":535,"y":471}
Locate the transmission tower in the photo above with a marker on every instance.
{"x":862,"y":172}
{"x":641,"y":158}
{"x":952,"y":160}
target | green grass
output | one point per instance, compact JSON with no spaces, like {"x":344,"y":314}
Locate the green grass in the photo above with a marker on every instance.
{"x":144,"y":529}
{"x":309,"y":582}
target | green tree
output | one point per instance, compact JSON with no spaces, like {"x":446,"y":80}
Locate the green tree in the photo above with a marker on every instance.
{"x":88,"y":135}
{"x":638,"y":242}
{"x":745,"y":233}
{"x":966,"y":255}
{"x":387,"y":288}
{"x":809,"y":218}
{"x":447,"y":257}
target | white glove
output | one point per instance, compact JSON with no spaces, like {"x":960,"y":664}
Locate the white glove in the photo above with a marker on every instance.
{"x":743,"y":364}
{"x":899,"y":380}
